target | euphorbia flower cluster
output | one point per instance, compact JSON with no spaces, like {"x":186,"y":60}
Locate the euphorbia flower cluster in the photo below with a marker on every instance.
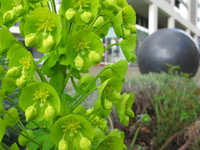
{"x":52,"y":116}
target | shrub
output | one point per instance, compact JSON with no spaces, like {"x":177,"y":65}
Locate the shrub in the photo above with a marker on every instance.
{"x":44,"y":113}
{"x":172,"y":102}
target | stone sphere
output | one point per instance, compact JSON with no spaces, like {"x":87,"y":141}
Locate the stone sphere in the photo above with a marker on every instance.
{"x":168,"y":46}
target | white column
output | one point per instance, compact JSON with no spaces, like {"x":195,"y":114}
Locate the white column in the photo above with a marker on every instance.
{"x":172,"y":3}
{"x":153,"y":18}
{"x":189,"y":10}
{"x":171,"y":22}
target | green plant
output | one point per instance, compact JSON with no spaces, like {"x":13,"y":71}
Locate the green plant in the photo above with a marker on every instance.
{"x":51,"y":118}
{"x":172,"y":101}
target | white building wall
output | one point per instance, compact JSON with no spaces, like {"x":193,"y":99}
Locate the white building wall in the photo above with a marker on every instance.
{"x":181,"y":15}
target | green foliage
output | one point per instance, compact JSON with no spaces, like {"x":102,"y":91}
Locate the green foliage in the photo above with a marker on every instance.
{"x":172,"y":100}
{"x":44,"y":114}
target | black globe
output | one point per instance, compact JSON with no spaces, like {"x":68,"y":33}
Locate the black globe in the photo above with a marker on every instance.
{"x":168,"y":46}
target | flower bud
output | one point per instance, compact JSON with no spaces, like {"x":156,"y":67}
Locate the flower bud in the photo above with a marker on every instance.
{"x":99,"y":22}
{"x":80,"y":10}
{"x":94,"y":57}
{"x":132,"y":28}
{"x":79,"y":62}
{"x":86,"y":16}
{"x":129,"y":112}
{"x":30,"y":40}
{"x":107,"y":104}
{"x":18,"y":10}
{"x":126,"y":33}
{"x":110,"y":3}
{"x":125,"y":120}
{"x":30,"y":112}
{"x":13,"y":72}
{"x":69,"y":14}
{"x":89,"y":111}
{"x":45,"y":35}
{"x":48,"y":43}
{"x":85,"y":143}
{"x":115,"y":96}
{"x":49,"y":113}
{"x":145,"y":118}
{"x":63,"y":145}
{"x":8,"y":16}
{"x":21,"y":82}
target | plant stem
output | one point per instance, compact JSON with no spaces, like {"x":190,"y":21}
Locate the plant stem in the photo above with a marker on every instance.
{"x":8,"y":98}
{"x":43,"y":79}
{"x":79,"y":101}
{"x":5,"y":146}
{"x":91,"y":24}
{"x":91,"y":83}
{"x":111,"y":123}
{"x":67,"y":78}
{"x":30,"y":139}
{"x":170,"y":139}
{"x":117,"y":43}
{"x":95,"y":112}
{"x":135,"y":137}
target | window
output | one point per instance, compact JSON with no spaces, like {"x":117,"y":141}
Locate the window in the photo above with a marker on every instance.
{"x":177,"y":3}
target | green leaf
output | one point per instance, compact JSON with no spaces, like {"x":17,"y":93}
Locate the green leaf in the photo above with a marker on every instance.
{"x":37,"y":1}
{"x":8,"y":85}
{"x":2,"y":110}
{"x":99,"y":104}
{"x":2,"y":96}
{"x":7,"y":41}
{"x":65,"y":124}
{"x":16,"y":8}
{"x":81,"y":45}
{"x":22,"y":60}
{"x":2,"y":72}
{"x":86,"y":80}
{"x":114,"y":141}
{"x":129,"y":16}
{"x":2,"y":129}
{"x":90,"y":6}
{"x":113,"y":71}
{"x":65,"y":100}
{"x":52,"y":60}
{"x":39,"y":95}
{"x":124,"y":22}
{"x":124,"y":108}
{"x":102,"y":31}
{"x":43,"y":138}
{"x":11,"y":117}
{"x":128,"y":47}
{"x":76,"y":74}
{"x":81,"y":110}
{"x":117,"y":23}
{"x":57,"y":80}
{"x":16,"y":56}
{"x":22,"y":140}
{"x":46,"y":28}
{"x":120,"y":68}
{"x":47,"y":144}
{"x":14,"y":146}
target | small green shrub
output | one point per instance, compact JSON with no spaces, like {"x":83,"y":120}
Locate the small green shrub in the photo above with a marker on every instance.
{"x":172,"y":102}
